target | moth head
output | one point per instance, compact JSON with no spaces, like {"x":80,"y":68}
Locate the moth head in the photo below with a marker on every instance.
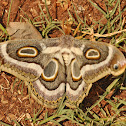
{"x":118,"y":62}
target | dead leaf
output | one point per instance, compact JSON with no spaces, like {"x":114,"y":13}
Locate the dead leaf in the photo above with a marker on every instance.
{"x":23,"y":30}
{"x":48,"y":2}
{"x":67,"y":26}
{"x":1,"y":117}
{"x":12,"y":116}
{"x":29,"y":117}
{"x":33,"y":12}
{"x":3,"y":101}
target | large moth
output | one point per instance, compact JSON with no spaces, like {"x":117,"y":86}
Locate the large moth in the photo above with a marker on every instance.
{"x":57,"y":66}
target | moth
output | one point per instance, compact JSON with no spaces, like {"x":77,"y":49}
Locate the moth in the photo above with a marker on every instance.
{"x":57,"y":66}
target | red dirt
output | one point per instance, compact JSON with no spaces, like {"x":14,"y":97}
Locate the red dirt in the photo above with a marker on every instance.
{"x":13,"y":104}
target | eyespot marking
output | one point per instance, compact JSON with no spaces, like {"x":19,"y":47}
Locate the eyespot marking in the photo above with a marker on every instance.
{"x":92,"y":54}
{"x":27,"y":51}
{"x":116,"y":67}
{"x":50,"y":71}
{"x":75,"y":71}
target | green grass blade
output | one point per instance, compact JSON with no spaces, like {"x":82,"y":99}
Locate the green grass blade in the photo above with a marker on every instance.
{"x":5,"y":124}
{"x":95,"y":5}
{"x":108,"y":89}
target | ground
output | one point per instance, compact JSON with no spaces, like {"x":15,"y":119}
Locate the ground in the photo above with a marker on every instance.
{"x":15,"y":103}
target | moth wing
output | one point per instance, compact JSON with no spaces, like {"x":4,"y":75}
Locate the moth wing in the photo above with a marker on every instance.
{"x":96,"y":60}
{"x":29,"y":61}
